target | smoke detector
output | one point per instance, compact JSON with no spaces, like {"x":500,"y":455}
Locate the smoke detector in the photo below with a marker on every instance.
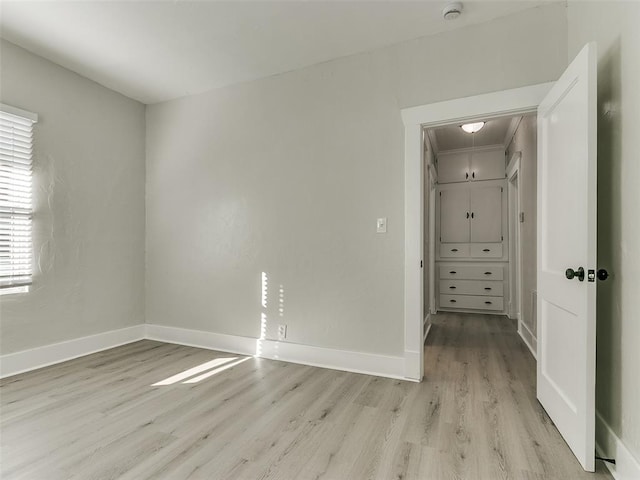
{"x":452,"y":11}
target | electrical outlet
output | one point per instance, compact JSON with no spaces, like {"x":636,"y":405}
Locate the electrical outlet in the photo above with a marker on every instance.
{"x":282,"y":332}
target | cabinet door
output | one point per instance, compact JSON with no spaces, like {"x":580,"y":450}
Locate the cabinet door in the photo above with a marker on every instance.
{"x":454,"y":216}
{"x":453,"y":167}
{"x":488,"y":165}
{"x":486,"y":214}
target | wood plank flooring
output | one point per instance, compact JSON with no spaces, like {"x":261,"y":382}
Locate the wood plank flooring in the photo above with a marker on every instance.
{"x":101,"y":417}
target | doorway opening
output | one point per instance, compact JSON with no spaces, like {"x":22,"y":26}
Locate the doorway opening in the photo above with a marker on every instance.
{"x":519,"y":101}
{"x":479,"y":190}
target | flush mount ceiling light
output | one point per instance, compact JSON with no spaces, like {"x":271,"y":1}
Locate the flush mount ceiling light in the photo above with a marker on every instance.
{"x":452,"y":11}
{"x":472,"y":127}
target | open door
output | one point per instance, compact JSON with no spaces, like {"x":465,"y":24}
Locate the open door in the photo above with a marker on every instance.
{"x":567,"y":255}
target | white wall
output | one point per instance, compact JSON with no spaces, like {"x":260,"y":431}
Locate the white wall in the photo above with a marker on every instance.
{"x":89,"y":205}
{"x":287,"y":175}
{"x":614,"y":26}
{"x":525,"y":141}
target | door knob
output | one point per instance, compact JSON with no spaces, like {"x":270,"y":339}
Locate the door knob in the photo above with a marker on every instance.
{"x":603,"y":274}
{"x":570,"y":273}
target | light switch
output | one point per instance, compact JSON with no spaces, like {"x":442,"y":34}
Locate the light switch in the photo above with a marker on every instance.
{"x":381,"y":225}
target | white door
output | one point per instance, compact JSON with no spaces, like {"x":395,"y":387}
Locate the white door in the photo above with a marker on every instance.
{"x":454,"y":216}
{"x":486,"y":214}
{"x":567,"y":239}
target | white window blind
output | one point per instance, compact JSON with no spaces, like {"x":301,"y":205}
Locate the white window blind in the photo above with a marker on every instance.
{"x":16,"y":249}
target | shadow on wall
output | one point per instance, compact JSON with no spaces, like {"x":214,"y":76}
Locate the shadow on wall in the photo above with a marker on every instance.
{"x":609,"y":293}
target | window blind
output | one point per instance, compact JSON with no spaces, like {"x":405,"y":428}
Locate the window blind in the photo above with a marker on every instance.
{"x":16,"y":249}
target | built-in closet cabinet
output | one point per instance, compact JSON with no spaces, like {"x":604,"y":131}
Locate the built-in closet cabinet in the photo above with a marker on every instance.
{"x":468,"y":165}
{"x":471,"y":231}
{"x":471,"y":213}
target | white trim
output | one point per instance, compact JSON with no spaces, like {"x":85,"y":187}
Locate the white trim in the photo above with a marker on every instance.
{"x":202,"y":339}
{"x":358,"y":362}
{"x":531,"y":345}
{"x":511,"y":131}
{"x":515,"y":237}
{"x":483,"y":148}
{"x":434,"y":142}
{"x":19,"y":112}
{"x":26,"y":360}
{"x":491,"y":105}
{"x":412,"y":370}
{"x":608,"y":445}
{"x":427,"y":321}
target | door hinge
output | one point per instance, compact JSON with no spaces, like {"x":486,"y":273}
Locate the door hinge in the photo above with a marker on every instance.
{"x":502,"y":238}
{"x":420,"y":263}
{"x":521,"y":217}
{"x":608,"y":460}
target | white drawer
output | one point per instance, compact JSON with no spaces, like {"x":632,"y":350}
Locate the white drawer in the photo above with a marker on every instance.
{"x":486,"y":250}
{"x":475,"y":302}
{"x":454,"y":250}
{"x":472,"y":272}
{"x":471,"y":287}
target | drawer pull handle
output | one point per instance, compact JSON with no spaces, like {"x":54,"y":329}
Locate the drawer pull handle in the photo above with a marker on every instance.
{"x":487,"y":273}
{"x":452,"y":287}
{"x":486,"y":250}
{"x":453,"y":272}
{"x":488,"y":303}
{"x":454,"y":249}
{"x":452,"y":301}
{"x":487,"y":288}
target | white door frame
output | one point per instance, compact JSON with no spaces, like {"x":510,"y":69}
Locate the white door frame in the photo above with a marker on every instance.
{"x":514,"y":186}
{"x":517,"y":101}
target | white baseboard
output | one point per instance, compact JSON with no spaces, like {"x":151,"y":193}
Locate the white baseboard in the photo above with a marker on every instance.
{"x":358,"y":362}
{"x":202,"y":339}
{"x":26,"y":360}
{"x":412,"y":366}
{"x":427,"y":322}
{"x":608,"y":445}
{"x":528,"y":338}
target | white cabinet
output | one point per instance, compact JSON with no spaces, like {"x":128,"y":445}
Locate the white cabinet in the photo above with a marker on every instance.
{"x":453,"y":167}
{"x":454,"y":216}
{"x":479,"y":288}
{"x":468,"y":165}
{"x":485,"y":205}
{"x":488,"y":164}
{"x":471,"y":213}
{"x":472,"y":246}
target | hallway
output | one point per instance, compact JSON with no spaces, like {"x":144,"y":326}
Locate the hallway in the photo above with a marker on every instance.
{"x":483,"y":419}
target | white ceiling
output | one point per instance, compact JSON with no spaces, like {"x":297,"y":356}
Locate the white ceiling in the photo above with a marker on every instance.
{"x":452,"y":137}
{"x":157,"y":50}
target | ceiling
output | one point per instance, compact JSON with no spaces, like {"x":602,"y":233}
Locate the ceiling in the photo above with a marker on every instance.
{"x":158,"y":50}
{"x":452,"y":137}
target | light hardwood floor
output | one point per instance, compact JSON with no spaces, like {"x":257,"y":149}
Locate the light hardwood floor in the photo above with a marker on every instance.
{"x":474,"y":416}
